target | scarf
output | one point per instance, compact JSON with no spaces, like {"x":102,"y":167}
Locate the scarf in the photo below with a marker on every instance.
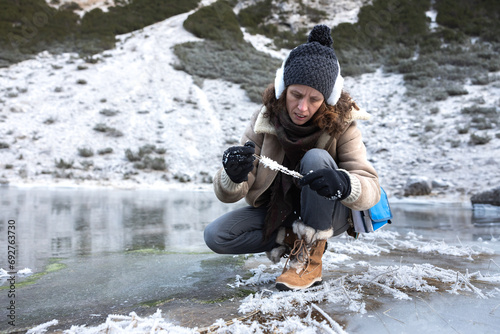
{"x":296,"y":140}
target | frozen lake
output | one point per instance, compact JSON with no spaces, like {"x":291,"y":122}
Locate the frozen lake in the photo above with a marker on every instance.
{"x":96,"y":252}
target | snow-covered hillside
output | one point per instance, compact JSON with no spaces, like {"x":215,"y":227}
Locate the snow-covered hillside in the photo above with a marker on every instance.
{"x":57,"y":109}
{"x":53,"y":103}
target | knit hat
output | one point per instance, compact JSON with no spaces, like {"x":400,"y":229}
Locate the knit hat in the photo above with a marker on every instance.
{"x":313,"y":64}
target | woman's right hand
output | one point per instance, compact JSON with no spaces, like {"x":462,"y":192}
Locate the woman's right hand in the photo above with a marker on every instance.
{"x":238,"y":161}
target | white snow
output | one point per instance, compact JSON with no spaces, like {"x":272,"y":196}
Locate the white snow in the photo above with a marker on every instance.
{"x":432,"y":14}
{"x":264,"y":44}
{"x":85,"y":5}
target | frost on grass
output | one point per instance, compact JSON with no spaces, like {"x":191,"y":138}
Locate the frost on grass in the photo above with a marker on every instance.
{"x":413,"y":242}
{"x":273,"y":165}
{"x":351,"y":280}
{"x":394,"y":280}
{"x":350,"y":291}
{"x":42,"y":328}
{"x":133,"y":324}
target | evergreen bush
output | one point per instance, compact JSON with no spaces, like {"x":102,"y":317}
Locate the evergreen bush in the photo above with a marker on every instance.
{"x":215,"y":22}
{"x":109,"y":112}
{"x":28,"y":27}
{"x":241,"y":64}
{"x":107,"y":150}
{"x":475,"y":18}
{"x":109,"y":131}
{"x":254,"y":15}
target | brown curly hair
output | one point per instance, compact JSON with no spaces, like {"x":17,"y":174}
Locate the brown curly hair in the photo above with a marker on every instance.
{"x":331,"y":119}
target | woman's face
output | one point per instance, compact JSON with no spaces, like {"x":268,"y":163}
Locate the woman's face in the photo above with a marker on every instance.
{"x":302,"y":102}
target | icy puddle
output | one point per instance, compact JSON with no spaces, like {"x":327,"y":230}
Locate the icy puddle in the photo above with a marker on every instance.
{"x":112,"y":261}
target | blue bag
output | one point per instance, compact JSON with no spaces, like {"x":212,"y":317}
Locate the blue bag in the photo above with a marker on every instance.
{"x":374,"y":218}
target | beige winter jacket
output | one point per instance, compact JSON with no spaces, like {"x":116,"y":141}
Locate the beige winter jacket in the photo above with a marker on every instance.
{"x":347,"y":150}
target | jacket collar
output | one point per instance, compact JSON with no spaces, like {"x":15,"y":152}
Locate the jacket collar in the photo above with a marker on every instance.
{"x":264,"y":126}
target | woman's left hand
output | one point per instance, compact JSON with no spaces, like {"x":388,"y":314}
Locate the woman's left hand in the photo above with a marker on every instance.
{"x":328,"y":182}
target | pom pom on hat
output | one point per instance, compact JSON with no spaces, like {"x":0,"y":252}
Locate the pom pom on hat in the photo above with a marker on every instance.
{"x":320,"y":34}
{"x":313,"y":64}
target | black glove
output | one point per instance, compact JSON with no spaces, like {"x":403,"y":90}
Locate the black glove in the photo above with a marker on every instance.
{"x":329,"y":183}
{"x":238,"y":161}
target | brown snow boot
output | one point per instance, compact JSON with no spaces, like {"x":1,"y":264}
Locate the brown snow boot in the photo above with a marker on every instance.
{"x":286,"y":240}
{"x":305,"y":266}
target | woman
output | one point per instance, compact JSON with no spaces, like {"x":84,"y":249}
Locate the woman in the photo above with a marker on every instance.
{"x":307,"y":124}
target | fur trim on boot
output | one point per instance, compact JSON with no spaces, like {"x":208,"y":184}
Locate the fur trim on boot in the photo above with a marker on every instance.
{"x":286,"y":239}
{"x":310,"y":234}
{"x":277,"y":253}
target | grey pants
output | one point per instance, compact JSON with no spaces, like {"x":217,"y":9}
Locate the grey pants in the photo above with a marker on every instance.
{"x":241,"y":231}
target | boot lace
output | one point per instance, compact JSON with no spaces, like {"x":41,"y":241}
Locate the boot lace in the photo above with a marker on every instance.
{"x":299,"y":253}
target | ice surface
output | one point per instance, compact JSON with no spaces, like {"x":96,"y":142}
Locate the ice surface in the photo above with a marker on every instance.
{"x":121,"y":249}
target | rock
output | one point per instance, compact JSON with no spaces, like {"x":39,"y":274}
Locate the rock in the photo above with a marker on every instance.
{"x":418,"y":186}
{"x":491,"y":197}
